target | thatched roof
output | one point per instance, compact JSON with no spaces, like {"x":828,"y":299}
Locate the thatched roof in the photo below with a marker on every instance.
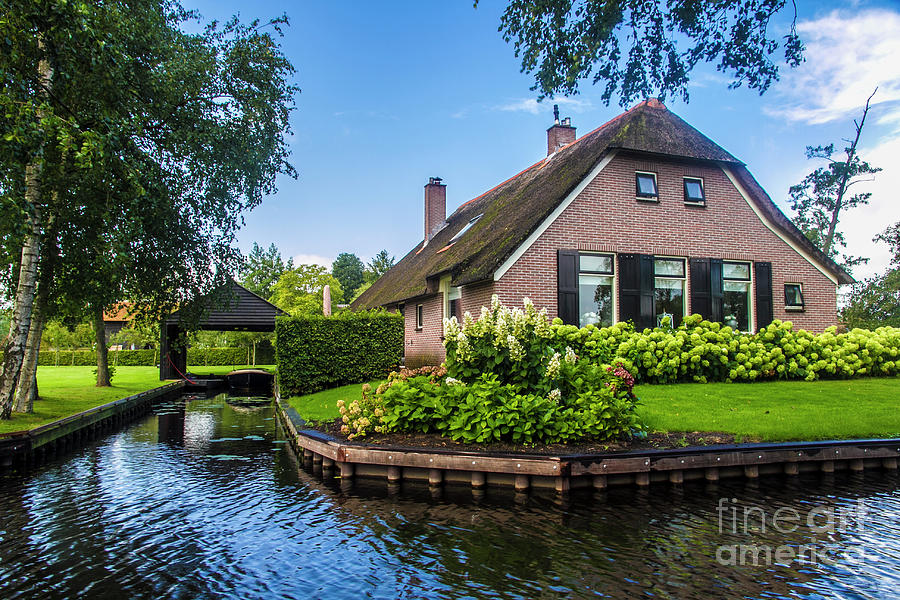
{"x":515,"y":208}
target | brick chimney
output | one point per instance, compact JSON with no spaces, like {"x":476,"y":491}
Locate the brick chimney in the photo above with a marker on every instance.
{"x":560,"y":134}
{"x":435,"y":207}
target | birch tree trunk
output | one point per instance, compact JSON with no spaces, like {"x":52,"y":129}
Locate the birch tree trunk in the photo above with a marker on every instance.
{"x":102,"y":350}
{"x":26,"y":390}
{"x":14,"y":353}
{"x":14,"y":350}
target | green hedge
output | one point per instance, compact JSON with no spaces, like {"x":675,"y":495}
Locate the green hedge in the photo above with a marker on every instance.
{"x":315,"y":353}
{"x":197,"y":357}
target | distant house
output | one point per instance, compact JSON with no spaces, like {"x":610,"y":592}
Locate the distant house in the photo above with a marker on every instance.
{"x":116,"y":319}
{"x":642,"y":218}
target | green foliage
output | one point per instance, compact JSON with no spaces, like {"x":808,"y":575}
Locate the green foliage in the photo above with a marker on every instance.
{"x":564,"y":41}
{"x":197,"y":357}
{"x":348,"y":269}
{"x":697,"y":350}
{"x":874,"y":302}
{"x":262,"y":268}
{"x":380,"y":264}
{"x":823,"y":195}
{"x":299,"y":291}
{"x":506,"y":382}
{"x":316,"y":352}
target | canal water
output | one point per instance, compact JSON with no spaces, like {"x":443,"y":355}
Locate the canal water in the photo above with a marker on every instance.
{"x":203,"y":499}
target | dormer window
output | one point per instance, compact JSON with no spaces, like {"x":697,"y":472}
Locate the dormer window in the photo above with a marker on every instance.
{"x":463,"y":231}
{"x":693,"y":191}
{"x":645,"y":186}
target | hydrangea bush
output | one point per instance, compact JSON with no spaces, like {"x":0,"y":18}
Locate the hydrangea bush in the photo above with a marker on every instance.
{"x":509,"y":377}
{"x":513,"y":375}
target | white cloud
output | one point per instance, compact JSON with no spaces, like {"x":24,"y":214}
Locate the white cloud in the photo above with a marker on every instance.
{"x":530,"y":105}
{"x":848,"y":55}
{"x":313,"y":259}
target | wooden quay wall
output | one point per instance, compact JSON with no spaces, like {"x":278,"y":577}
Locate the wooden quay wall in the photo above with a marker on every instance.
{"x":33,"y":446}
{"x":563,"y":472}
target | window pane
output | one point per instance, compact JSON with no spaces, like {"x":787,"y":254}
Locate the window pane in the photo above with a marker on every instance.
{"x":669,"y":300}
{"x":732,"y":270}
{"x":736,"y":305}
{"x":693,"y":189}
{"x":669,"y":267}
{"x":595,"y":300}
{"x":792,"y":295}
{"x":596,"y":263}
{"x":646,"y":185}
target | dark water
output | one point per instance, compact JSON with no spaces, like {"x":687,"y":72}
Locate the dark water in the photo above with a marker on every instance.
{"x":206,"y":501}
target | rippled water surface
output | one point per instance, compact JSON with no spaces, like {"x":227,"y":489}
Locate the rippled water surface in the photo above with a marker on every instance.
{"x":204,"y":500}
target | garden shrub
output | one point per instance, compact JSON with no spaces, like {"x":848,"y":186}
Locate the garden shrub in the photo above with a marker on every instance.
{"x":316,"y":352}
{"x":505,"y":381}
{"x":512,"y":375}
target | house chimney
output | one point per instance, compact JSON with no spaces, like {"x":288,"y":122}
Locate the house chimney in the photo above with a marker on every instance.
{"x":560,"y":134}
{"x":435,"y":207}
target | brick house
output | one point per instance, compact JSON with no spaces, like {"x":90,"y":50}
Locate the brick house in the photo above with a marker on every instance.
{"x":642,"y":218}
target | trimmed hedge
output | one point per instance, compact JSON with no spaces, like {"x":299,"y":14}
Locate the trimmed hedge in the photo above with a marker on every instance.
{"x":197,"y":357}
{"x":315,"y":353}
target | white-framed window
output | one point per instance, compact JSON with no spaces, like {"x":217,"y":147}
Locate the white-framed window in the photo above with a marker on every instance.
{"x":694,"y":192}
{"x":596,"y":289}
{"x":454,"y":297}
{"x":669,"y":278}
{"x":793,"y":296}
{"x":645,"y":185}
{"x":420,"y":316}
{"x":736,"y":302}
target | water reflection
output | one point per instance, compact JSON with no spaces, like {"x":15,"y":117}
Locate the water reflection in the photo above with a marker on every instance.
{"x":204,"y":500}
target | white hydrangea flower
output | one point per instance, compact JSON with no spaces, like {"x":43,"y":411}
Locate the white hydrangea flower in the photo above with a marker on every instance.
{"x":555,"y":395}
{"x":571,"y":357}
{"x":495,"y":302}
{"x":452,"y":381}
{"x":516,"y":351}
{"x":553,"y":367}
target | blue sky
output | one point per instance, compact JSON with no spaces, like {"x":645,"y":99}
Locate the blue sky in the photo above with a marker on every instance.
{"x":396,"y":92}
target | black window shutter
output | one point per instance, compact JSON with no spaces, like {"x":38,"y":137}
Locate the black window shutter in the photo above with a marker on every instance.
{"x":701,"y":294}
{"x":567,"y":277}
{"x":636,"y":289}
{"x":648,"y":293}
{"x":717,"y":290}
{"x":764,"y":305}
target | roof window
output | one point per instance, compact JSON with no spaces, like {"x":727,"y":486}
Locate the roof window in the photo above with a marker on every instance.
{"x":463,"y":231}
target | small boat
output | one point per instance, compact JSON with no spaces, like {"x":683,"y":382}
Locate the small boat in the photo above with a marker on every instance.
{"x":251,"y":379}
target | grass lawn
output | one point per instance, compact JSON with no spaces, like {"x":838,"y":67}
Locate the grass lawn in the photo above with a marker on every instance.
{"x":777,"y":411}
{"x":322,"y":406}
{"x":771,"y":411}
{"x":68,"y":390}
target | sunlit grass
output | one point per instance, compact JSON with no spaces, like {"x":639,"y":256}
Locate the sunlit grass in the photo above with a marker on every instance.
{"x":771,"y":411}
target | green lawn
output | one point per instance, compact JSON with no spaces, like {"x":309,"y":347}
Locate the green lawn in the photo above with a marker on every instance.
{"x":772,"y":411}
{"x":322,"y":406}
{"x":777,"y":411}
{"x":68,"y":390}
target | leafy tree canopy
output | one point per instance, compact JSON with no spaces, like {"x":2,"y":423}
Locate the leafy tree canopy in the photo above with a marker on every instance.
{"x":299,"y":291}
{"x":639,"y":49}
{"x":348,"y":269}
{"x":378,"y":266}
{"x":262,"y":268}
